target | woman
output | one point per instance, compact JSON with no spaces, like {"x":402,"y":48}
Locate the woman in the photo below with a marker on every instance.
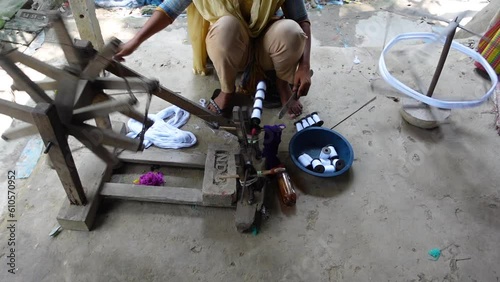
{"x":241,"y":35}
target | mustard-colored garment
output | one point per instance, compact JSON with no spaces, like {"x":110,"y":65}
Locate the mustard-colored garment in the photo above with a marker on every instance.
{"x":203,"y":12}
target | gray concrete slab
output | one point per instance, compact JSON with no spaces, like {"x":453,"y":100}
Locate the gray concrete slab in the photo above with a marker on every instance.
{"x":409,"y":190}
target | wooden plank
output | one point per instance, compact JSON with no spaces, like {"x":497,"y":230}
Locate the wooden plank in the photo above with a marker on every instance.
{"x":147,"y":85}
{"x":65,"y":98}
{"x":101,"y":60}
{"x":86,"y":22}
{"x":94,"y":173}
{"x":103,"y":121}
{"x":37,"y":65}
{"x":132,"y":113}
{"x":160,"y":194}
{"x":51,"y":131}
{"x":70,"y":52}
{"x":171,"y":97}
{"x":36,"y":93}
{"x":94,"y":144}
{"x":101,"y":109}
{"x":15,"y":110}
{"x":19,"y":131}
{"x":164,"y":157}
{"x":105,"y":136}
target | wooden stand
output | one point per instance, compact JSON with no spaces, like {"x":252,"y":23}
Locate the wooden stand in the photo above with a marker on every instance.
{"x":80,"y":97}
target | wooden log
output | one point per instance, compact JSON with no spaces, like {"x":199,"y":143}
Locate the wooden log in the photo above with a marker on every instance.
{"x":51,"y":131}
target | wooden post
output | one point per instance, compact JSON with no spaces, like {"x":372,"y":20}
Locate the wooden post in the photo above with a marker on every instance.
{"x":51,"y":130}
{"x":86,"y":22}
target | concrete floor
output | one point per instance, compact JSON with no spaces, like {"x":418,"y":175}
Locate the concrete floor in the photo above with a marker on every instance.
{"x":409,"y":190}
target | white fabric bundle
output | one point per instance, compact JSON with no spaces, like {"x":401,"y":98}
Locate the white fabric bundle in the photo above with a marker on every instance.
{"x":165,"y":133}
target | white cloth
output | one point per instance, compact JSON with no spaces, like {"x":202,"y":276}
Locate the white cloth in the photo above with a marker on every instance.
{"x":165,"y":133}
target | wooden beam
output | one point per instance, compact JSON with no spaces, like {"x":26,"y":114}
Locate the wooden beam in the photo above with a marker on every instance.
{"x":94,"y":173}
{"x":135,"y":83}
{"x":36,"y":93}
{"x":65,"y":99}
{"x":101,"y":109}
{"x":101,"y":60}
{"x":70,"y":52}
{"x":161,"y":194}
{"x":132,"y":113}
{"x":86,"y":22}
{"x":37,"y":65}
{"x":165,"y":157}
{"x":15,"y":110}
{"x":94,"y":144}
{"x":171,"y":97}
{"x":19,"y":131}
{"x":106,"y":136}
{"x":53,"y":133}
{"x":104,"y":121}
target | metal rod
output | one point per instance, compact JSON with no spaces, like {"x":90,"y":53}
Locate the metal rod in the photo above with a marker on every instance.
{"x":366,"y":104}
{"x":442,"y":59}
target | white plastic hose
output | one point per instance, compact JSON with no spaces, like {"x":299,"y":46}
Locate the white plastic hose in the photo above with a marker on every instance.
{"x":422,"y":97}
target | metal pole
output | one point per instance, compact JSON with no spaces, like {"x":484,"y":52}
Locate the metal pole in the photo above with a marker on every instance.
{"x":442,"y":59}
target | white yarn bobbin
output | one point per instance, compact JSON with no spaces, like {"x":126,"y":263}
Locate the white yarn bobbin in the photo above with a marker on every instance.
{"x":310,"y":120}
{"x":298,"y":125}
{"x":305,"y":124}
{"x":325,"y":153}
{"x":318,"y":166}
{"x":317,"y":119}
{"x":339,"y":164}
{"x":305,"y":160}
{"x":326,"y":162}
{"x":333,"y":152}
{"x":329,"y":169}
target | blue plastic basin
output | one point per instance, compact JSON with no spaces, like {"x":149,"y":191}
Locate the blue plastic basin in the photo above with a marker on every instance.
{"x":311,"y":140}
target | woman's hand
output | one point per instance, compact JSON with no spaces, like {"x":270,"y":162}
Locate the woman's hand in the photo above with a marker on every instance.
{"x":126,"y":49}
{"x":302,"y":81}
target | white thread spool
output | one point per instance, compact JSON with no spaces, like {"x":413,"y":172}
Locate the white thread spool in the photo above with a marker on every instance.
{"x":260,"y":95}
{"x":338,"y":164}
{"x":310,"y":120}
{"x":333,"y":152}
{"x":325,"y":153}
{"x":317,"y":119}
{"x":326,"y":162}
{"x":330,"y":169}
{"x":305,"y":124}
{"x":318,"y":166}
{"x":305,"y":160}
{"x":298,"y":125}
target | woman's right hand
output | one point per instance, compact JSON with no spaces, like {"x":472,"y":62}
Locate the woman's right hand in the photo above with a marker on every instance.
{"x":126,"y":49}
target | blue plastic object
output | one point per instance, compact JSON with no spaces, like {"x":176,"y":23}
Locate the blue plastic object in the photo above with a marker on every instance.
{"x":311,"y":140}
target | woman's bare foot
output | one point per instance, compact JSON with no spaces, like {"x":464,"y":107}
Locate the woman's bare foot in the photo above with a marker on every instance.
{"x":285,"y":92}
{"x":222,"y":100}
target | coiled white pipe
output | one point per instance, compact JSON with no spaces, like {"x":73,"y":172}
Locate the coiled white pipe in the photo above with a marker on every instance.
{"x":422,"y":97}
